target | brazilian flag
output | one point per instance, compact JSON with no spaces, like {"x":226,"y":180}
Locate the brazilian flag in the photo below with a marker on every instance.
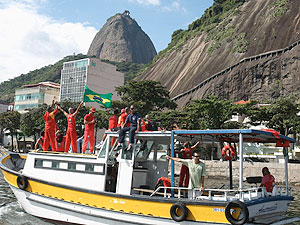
{"x":103,"y":99}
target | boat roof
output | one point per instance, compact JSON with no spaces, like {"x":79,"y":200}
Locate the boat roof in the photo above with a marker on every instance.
{"x":220,"y":135}
{"x":232,"y":135}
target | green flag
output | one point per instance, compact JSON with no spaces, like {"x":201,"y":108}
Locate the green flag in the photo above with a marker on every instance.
{"x":103,"y":99}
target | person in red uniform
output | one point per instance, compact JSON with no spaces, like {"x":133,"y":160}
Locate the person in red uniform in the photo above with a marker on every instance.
{"x":50,"y":127}
{"x":268,"y":180}
{"x":60,"y":141}
{"x":122,"y":118}
{"x":112,"y":124}
{"x":113,"y":120}
{"x":187,"y":153}
{"x":71,"y":135}
{"x":89,"y":131}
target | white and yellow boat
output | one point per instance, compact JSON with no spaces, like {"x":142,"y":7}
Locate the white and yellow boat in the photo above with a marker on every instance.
{"x":110,"y":189}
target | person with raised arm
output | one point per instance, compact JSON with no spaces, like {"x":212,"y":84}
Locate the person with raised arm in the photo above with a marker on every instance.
{"x":197,"y":170}
{"x":71,"y":135}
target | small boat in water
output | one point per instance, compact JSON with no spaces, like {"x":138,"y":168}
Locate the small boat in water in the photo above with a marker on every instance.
{"x":118,"y":187}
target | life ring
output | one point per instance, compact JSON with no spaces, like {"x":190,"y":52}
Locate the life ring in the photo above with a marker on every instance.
{"x":22,"y":182}
{"x":231,"y":154}
{"x":244,"y":213}
{"x":174,"y":209}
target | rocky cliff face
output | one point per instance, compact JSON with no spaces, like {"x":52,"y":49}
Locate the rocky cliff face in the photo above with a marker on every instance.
{"x":260,"y":78}
{"x":256,"y":27}
{"x":122,"y":39}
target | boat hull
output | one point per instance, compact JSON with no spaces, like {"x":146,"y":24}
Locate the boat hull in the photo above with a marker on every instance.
{"x":49,"y":208}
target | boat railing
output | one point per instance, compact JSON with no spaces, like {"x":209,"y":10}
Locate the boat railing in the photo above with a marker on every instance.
{"x":222,"y":194}
{"x":167,"y":191}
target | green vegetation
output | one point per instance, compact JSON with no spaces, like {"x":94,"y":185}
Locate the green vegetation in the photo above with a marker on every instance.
{"x":10,"y":121}
{"x":278,"y":8}
{"x":279,"y":114}
{"x":240,"y":43}
{"x":213,"y":113}
{"x":146,"y":95}
{"x":216,"y":23}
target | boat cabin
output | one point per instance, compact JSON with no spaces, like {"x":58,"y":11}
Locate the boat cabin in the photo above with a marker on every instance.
{"x":140,"y":167}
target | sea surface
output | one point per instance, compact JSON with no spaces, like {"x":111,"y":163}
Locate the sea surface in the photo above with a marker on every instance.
{"x":11,"y":213}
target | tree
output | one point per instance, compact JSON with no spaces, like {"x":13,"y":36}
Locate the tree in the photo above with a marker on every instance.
{"x":208,"y":113}
{"x":11,"y":121}
{"x":146,"y":95}
{"x":279,"y":114}
{"x":169,"y":119}
{"x":283,"y":115}
{"x":32,"y":122}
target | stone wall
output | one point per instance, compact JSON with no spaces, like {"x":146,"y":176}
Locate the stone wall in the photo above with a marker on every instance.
{"x":220,"y":169}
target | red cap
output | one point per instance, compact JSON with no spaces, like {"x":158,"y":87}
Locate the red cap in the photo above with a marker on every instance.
{"x":122,"y":110}
{"x":93,"y":109}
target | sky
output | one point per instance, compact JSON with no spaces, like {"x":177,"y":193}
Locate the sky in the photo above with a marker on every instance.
{"x":37,"y":33}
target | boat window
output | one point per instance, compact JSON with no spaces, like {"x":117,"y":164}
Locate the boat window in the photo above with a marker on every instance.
{"x":125,"y":153}
{"x":102,"y":153}
{"x":144,"y":150}
{"x":151,"y":155}
{"x":89,"y":167}
{"x":38,"y":163}
{"x":112,"y":152}
{"x":71,"y":166}
{"x":55,"y":164}
{"x":162,"y":151}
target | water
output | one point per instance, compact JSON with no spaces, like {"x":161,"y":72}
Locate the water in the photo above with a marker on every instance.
{"x":11,"y":212}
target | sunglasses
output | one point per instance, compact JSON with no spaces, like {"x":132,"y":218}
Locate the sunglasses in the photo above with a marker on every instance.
{"x":132,"y":108}
{"x":196,"y":156}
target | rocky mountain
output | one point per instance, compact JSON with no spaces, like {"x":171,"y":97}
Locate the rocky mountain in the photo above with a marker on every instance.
{"x":223,"y":52}
{"x":122,"y":39}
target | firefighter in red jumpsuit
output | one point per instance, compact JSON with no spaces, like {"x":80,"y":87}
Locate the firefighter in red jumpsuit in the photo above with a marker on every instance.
{"x":89,"y":131}
{"x":50,"y":126}
{"x":187,"y":153}
{"x":71,"y":135}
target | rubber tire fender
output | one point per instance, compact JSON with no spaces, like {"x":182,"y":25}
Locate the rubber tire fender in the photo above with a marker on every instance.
{"x":22,"y":182}
{"x":244,"y":211}
{"x":183,"y":209}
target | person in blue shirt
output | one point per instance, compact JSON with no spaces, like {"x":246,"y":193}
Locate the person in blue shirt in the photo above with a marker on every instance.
{"x":134,"y":118}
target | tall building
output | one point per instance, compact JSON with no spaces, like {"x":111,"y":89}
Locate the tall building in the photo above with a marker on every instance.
{"x":100,"y":77}
{"x":34,"y":95}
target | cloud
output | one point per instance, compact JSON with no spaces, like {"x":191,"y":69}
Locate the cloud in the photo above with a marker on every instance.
{"x":30,"y":40}
{"x":174,"y":6}
{"x":148,"y":2}
{"x":166,"y":6}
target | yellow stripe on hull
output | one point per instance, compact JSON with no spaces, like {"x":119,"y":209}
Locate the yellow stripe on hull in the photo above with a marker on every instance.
{"x":136,"y":206}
